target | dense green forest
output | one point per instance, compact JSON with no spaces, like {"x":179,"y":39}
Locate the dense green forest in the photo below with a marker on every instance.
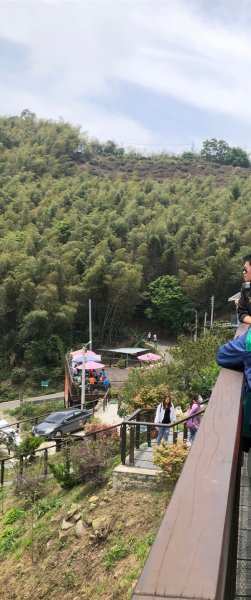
{"x":80,"y":220}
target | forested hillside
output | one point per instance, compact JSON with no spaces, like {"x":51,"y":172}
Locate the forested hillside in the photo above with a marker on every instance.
{"x":70,"y":231}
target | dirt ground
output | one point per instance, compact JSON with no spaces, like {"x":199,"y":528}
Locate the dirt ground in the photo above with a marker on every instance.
{"x":93,"y":567}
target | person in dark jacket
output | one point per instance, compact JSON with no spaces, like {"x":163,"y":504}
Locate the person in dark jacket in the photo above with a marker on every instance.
{"x":244,"y":304}
{"x":236,"y":354}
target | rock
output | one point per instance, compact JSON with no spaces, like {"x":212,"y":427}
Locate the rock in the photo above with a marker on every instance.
{"x":63,"y":535}
{"x":79,"y":529}
{"x":102,"y":503}
{"x":49,"y":544}
{"x":73,"y":509}
{"x":77,"y":517}
{"x":92,"y":506}
{"x":101,"y":526}
{"x":88,"y":520}
{"x":66,"y":525}
{"x":93,"y":499}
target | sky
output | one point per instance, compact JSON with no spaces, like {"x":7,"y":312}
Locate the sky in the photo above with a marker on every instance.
{"x":149,"y":74}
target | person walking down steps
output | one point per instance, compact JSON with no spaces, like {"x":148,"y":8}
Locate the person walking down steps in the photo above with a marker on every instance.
{"x":165,"y":414}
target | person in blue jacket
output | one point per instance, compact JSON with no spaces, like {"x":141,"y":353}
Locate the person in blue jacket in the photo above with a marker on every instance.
{"x":236,"y":354}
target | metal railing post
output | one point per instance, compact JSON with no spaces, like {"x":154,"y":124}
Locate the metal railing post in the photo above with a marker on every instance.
{"x":2,"y":473}
{"x":131,"y":445}
{"x":137,"y":437}
{"x":45,"y":462}
{"x":148,"y":436}
{"x":123,"y":443}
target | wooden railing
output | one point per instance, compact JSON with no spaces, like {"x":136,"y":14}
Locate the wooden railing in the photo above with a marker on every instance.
{"x":194,"y":554}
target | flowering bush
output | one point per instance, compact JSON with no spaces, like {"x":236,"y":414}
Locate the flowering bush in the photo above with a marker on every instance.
{"x":170,"y":458}
{"x":150,"y":397}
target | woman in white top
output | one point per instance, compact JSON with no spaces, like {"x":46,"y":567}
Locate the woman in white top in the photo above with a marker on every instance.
{"x":165,"y":413}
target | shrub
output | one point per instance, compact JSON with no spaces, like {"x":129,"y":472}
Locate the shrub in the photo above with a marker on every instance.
{"x":8,"y":539}
{"x":150,"y":397}
{"x":13,"y":515}
{"x":104,"y":428}
{"x":116,"y":553}
{"x":86,"y":461}
{"x":170,"y":458}
{"x":28,"y":446}
{"x":18,"y":375}
{"x":62,"y":475}
{"x":121,"y":363}
{"x":46,"y":505}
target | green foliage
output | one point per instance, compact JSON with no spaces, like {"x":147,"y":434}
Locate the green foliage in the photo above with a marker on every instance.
{"x":193,"y":369}
{"x":12,"y":515}
{"x":8,"y":539}
{"x":171,"y":306}
{"x":170,"y":458}
{"x":46,"y":505}
{"x":28,"y":445}
{"x":220,"y":151}
{"x":87,"y":461}
{"x":69,"y":233}
{"x":32,"y":410}
{"x":150,"y":397}
{"x":18,"y":375}
{"x":116,"y":553}
{"x":62,"y":474}
{"x":203,"y":382}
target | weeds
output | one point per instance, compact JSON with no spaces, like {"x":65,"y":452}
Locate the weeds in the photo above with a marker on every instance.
{"x":13,"y":515}
{"x":116,"y":553}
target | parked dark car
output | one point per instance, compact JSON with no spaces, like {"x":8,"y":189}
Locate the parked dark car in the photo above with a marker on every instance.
{"x":59,"y":423}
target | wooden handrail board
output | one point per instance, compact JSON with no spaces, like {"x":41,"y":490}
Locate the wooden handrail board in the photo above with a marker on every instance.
{"x":189,"y":557}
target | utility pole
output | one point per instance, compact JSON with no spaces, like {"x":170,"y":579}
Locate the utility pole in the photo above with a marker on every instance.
{"x":83,"y":375}
{"x":90,"y":322}
{"x":205,"y":323}
{"x":212,"y":312}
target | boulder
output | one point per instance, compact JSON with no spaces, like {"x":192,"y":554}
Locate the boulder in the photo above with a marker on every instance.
{"x":77,"y":517}
{"x":79,"y":529}
{"x":101,"y":526}
{"x":74,"y":508}
{"x":63,"y":535}
{"x":93,"y":499}
{"x":66,"y":525}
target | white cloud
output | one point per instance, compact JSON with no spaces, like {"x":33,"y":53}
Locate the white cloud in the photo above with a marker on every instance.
{"x":80,"y":50}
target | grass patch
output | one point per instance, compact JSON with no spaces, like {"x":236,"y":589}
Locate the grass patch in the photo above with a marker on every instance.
{"x":8,"y":539}
{"x":116,"y":553}
{"x":12,"y":515}
{"x":46,"y":505}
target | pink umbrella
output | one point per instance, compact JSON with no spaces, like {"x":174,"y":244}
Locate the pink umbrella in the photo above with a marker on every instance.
{"x":149,"y":357}
{"x":91,"y":364}
{"x":78,"y":354}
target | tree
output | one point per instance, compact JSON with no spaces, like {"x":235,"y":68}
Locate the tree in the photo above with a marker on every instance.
{"x":220,"y":151}
{"x":170,"y":305}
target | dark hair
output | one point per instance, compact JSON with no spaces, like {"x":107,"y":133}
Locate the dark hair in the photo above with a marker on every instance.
{"x":247,"y":258}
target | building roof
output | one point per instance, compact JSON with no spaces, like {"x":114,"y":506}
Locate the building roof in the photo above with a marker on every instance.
{"x":132,"y":351}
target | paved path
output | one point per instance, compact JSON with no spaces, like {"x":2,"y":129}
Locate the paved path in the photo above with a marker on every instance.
{"x":110,"y":415}
{"x":14,"y":403}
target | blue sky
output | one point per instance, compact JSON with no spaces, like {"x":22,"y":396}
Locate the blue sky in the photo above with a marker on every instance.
{"x":151,"y":74}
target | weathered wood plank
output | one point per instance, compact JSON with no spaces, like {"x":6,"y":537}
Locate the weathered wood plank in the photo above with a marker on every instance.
{"x":189,"y":556}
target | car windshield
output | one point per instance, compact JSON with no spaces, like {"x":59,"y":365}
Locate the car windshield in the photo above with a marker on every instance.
{"x":56,"y":417}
